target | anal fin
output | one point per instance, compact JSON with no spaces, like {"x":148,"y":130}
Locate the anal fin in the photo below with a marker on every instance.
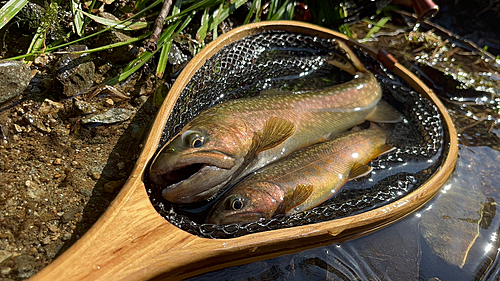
{"x":384,"y":149}
{"x":359,"y":170}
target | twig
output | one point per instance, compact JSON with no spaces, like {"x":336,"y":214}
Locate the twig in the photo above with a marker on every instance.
{"x":151,"y":45}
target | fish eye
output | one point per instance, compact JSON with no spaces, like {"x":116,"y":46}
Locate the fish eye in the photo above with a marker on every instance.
{"x":193,"y":139}
{"x":237,"y":204}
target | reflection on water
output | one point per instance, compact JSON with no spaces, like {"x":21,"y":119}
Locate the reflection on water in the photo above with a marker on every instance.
{"x":453,"y":237}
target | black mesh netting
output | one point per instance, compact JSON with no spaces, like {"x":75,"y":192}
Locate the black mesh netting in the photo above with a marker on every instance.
{"x":296,"y":62}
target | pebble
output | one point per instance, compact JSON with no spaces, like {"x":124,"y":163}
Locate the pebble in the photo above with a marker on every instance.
{"x":111,"y":116}
{"x":53,"y":228}
{"x":120,"y":165}
{"x":18,"y":128}
{"x":66,"y":236}
{"x":46,"y":240}
{"x":94,"y":175}
{"x":5,"y":270}
{"x":50,"y":107}
{"x":57,"y":161}
{"x":109,"y":102}
{"x":15,"y":77}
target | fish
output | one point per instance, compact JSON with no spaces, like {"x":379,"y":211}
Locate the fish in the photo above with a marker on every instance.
{"x":302,"y":180}
{"x":236,"y":137}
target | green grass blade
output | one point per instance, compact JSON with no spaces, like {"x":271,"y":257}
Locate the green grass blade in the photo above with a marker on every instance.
{"x":176,"y":9}
{"x":376,"y":27}
{"x":117,"y":24}
{"x":283,"y":11}
{"x":166,"y":42}
{"x":272,"y":8}
{"x":258,"y":10}
{"x":201,"y":34}
{"x":37,"y":42}
{"x":224,"y":12}
{"x":10,"y":10}
{"x":250,"y":13}
{"x":76,"y":7}
{"x":162,"y":62}
{"x":215,"y":21}
{"x":196,"y":6}
{"x":114,"y":45}
{"x":132,"y":67}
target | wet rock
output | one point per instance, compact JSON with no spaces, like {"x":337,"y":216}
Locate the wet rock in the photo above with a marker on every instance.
{"x":14,"y":79}
{"x":74,"y":72}
{"x":84,"y":107}
{"x":111,"y":116}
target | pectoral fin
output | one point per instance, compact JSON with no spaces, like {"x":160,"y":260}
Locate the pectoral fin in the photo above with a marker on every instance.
{"x":301,"y":193}
{"x":275,"y":131}
{"x":384,"y":113}
{"x":359,"y":170}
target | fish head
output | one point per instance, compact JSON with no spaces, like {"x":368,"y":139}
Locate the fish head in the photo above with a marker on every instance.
{"x":196,"y":163}
{"x":247,"y":203}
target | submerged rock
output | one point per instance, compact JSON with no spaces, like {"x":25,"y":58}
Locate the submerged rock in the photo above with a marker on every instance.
{"x":14,"y":79}
{"x":451,"y":224}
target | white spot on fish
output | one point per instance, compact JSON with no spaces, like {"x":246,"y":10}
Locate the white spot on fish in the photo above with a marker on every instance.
{"x":359,"y":87}
{"x":357,"y":108}
{"x":355,"y":155}
{"x":340,"y":176}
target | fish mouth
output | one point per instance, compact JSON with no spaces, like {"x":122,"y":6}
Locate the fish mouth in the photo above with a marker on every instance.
{"x":191,"y":178}
{"x":180,"y":174}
